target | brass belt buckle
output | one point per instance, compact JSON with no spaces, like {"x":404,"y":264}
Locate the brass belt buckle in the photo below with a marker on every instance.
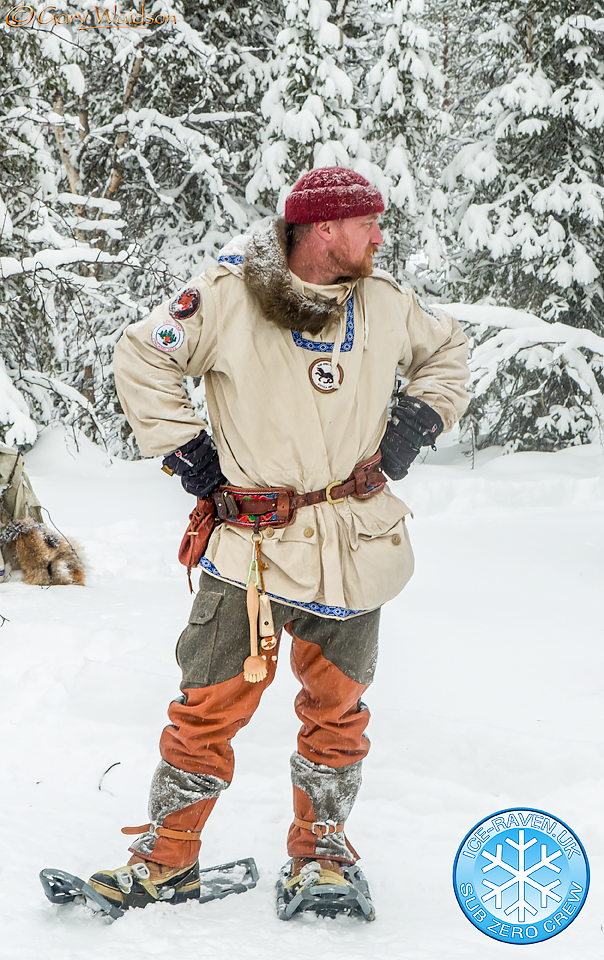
{"x":329,"y":488}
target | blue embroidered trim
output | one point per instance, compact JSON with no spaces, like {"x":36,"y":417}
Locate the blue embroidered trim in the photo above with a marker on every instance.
{"x":319,"y":347}
{"x":301,"y":341}
{"x":340,"y":612}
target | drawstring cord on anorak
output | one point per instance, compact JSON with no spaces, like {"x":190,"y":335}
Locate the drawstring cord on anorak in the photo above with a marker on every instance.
{"x":365,"y":320}
{"x":337,"y":346}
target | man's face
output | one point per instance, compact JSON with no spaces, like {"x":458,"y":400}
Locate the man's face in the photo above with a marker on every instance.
{"x":356,"y":240}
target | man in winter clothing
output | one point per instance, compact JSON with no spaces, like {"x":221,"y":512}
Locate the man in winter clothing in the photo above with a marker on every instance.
{"x":299,"y":340}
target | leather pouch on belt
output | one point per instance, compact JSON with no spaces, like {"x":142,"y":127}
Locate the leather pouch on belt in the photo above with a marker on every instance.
{"x":197,"y":534}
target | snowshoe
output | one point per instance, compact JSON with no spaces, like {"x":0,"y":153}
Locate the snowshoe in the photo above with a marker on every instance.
{"x":111,"y":892}
{"x":323,"y":892}
{"x":61,"y":887}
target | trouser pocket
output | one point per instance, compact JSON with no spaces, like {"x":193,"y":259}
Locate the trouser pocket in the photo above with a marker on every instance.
{"x":195,"y":647}
{"x":216,"y":641}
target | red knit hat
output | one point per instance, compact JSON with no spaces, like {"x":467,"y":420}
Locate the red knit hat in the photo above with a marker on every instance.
{"x":331,"y":193}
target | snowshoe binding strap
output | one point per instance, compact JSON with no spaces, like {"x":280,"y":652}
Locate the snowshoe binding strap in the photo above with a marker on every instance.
{"x":313,"y":874}
{"x":125,"y":877}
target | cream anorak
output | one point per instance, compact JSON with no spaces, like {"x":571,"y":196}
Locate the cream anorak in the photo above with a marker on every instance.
{"x":272,"y":428}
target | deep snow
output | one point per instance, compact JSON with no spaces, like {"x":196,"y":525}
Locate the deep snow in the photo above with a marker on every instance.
{"x":489,"y":694}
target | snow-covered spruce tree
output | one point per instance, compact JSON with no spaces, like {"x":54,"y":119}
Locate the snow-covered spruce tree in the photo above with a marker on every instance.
{"x":45,"y":259}
{"x":125,"y":184}
{"x":535,"y":385}
{"x":530,"y":173}
{"x":405,"y":126}
{"x":243,"y":35}
{"x":312,"y":109}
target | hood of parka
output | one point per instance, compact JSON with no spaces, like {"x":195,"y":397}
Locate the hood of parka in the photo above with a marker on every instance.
{"x":267,"y":274}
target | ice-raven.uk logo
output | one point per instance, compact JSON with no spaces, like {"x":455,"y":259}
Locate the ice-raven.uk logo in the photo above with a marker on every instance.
{"x":521,"y":875}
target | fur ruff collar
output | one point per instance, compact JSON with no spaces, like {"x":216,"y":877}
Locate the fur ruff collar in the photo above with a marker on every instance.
{"x":267,"y":274}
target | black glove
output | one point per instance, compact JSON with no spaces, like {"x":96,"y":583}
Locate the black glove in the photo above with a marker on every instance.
{"x":197,"y":465}
{"x":412,"y":425}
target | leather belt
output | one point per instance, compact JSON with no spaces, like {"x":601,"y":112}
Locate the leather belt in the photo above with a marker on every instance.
{"x":281,"y":502}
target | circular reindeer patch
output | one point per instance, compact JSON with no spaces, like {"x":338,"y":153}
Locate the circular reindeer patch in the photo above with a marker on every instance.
{"x":185,"y":304}
{"x":321,"y":375}
{"x":168,"y":336}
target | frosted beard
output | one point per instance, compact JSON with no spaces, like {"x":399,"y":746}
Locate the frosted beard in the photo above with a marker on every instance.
{"x":348,"y":269}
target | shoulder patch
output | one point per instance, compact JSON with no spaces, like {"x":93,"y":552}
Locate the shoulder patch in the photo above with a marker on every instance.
{"x":185,"y":303}
{"x":168,"y":336}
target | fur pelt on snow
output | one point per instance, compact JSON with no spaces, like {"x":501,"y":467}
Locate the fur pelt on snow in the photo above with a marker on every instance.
{"x":266,"y":272}
{"x":45,"y":557}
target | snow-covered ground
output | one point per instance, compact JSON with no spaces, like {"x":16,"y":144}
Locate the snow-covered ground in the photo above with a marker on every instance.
{"x":489,"y":694}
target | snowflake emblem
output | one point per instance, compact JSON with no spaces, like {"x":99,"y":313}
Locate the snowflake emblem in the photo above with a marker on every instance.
{"x":522,"y":876}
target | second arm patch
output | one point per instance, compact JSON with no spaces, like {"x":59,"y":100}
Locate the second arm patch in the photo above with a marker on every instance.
{"x":185,"y":304}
